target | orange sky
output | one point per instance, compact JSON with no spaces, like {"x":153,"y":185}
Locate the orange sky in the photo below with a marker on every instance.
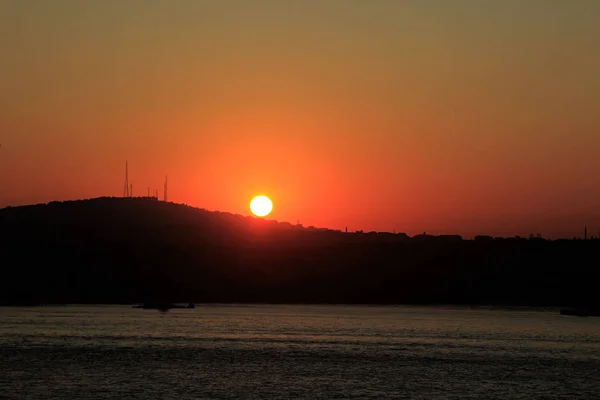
{"x":437,"y":116}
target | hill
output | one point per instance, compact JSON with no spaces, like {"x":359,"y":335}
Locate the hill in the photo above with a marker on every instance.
{"x":127,"y":250}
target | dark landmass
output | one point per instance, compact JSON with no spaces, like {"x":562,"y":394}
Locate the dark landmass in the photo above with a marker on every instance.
{"x":137,"y":250}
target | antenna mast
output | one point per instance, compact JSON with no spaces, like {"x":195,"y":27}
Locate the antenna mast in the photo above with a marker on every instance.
{"x":166,"y":188}
{"x":126,"y":188}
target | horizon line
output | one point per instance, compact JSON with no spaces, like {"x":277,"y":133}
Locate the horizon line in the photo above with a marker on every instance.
{"x":531,"y":236}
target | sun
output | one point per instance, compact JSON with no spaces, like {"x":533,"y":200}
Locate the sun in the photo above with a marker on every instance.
{"x":261,"y":206}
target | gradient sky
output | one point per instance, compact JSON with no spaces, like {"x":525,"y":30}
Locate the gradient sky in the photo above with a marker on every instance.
{"x":461,"y":116}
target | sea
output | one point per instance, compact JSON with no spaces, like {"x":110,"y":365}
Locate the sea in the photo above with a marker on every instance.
{"x":297,"y":352}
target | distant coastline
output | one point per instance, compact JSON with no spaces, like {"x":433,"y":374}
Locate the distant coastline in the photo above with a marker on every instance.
{"x":132,"y":250}
{"x":449,"y":307}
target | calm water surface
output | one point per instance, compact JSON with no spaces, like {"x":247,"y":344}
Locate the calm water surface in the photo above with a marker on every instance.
{"x":289,"y":352}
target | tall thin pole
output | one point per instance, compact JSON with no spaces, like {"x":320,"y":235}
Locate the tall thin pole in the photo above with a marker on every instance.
{"x":166,"y":188}
{"x":126,"y":188}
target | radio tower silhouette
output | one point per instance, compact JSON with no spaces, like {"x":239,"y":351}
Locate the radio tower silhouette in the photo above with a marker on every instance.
{"x":166,"y":182}
{"x":126,"y":188}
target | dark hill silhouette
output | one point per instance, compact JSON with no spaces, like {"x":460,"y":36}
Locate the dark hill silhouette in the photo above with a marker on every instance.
{"x":134,"y":250}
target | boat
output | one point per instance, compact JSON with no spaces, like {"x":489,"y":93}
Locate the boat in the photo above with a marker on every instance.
{"x":163,"y":306}
{"x":581,"y":312}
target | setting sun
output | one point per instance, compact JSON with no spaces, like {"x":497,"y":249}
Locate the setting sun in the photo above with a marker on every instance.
{"x":261,"y":206}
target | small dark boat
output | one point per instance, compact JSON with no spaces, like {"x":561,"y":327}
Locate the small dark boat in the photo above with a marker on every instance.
{"x":163,"y":306}
{"x":580,"y":312}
